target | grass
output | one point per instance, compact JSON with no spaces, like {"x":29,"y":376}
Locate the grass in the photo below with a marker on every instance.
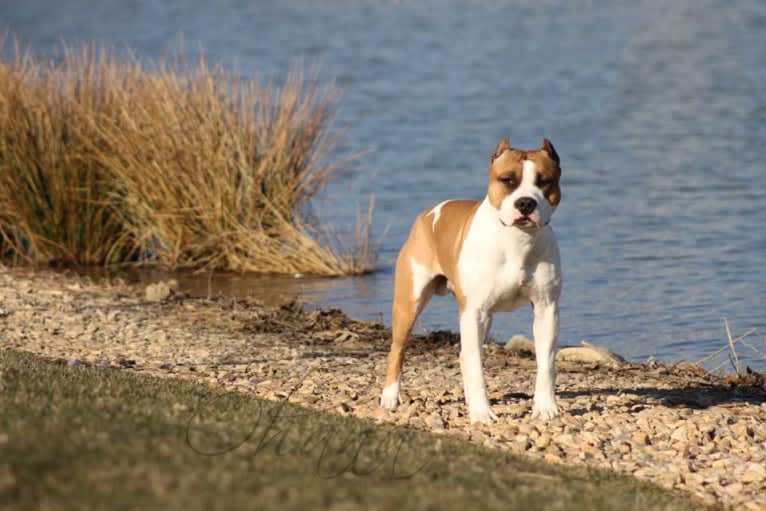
{"x":730,"y":350}
{"x":104,"y":160}
{"x":97,"y":438}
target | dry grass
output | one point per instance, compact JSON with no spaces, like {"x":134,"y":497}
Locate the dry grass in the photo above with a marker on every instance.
{"x":730,"y":351}
{"x":104,"y":160}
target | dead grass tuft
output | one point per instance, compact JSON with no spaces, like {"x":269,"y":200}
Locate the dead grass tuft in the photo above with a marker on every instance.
{"x":104,"y":160}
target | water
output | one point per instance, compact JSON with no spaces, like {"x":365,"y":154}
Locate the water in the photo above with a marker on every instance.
{"x":657,"y":109}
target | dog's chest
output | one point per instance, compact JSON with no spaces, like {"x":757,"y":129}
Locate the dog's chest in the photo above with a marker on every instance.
{"x":496,"y":266}
{"x":510,"y":289}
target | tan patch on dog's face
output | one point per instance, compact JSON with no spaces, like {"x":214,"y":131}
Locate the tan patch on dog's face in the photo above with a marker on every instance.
{"x":506,"y":171}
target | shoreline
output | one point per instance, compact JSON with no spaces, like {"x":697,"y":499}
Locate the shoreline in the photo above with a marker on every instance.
{"x":675,"y":425}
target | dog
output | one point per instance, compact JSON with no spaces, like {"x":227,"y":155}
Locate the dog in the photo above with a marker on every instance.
{"x":493,"y":255}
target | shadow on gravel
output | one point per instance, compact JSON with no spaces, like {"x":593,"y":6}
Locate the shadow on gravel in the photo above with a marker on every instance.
{"x":698,"y":396}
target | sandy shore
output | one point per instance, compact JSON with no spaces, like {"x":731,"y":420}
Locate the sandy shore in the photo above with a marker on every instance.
{"x":677,"y":426}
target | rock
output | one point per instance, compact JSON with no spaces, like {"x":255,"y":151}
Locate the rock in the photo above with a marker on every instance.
{"x":679,"y":434}
{"x":552,"y":458}
{"x":742,"y":431}
{"x":543,"y":441}
{"x":754,"y":473}
{"x":434,"y":421}
{"x":641,"y":438}
{"x":589,"y":353}
{"x":591,"y":439}
{"x":160,"y":291}
{"x":693,"y":479}
{"x":520,"y":345}
{"x":521,"y":438}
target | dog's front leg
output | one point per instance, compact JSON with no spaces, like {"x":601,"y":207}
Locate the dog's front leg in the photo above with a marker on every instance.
{"x":473,"y":328}
{"x":546,"y":332}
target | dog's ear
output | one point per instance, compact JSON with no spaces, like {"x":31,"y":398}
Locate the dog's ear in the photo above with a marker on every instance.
{"x":547,"y":146}
{"x":502,"y":146}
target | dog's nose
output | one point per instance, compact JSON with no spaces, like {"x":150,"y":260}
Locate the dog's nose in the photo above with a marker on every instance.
{"x":525,"y":205}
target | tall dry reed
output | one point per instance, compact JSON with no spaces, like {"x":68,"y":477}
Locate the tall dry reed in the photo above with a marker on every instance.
{"x":104,"y":160}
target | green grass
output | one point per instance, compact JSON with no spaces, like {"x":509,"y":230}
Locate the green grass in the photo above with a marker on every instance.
{"x":95,"y":438}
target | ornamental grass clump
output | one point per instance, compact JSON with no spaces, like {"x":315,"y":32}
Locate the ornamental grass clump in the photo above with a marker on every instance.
{"x":104,"y":160}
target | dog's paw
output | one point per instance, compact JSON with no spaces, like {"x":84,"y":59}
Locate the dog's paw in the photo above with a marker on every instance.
{"x":389,"y":398}
{"x":545,"y":409}
{"x":481,"y":415}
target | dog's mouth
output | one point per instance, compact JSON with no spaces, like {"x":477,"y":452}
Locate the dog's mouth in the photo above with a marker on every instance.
{"x":522,"y":222}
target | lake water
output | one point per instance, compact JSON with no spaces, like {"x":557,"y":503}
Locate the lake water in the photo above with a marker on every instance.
{"x":658,"y":110}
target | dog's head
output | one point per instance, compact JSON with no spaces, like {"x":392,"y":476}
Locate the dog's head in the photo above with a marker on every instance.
{"x":524,"y":185}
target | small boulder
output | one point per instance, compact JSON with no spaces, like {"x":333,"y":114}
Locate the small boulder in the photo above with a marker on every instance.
{"x":160,"y":291}
{"x":587,"y":352}
{"x":520,"y":345}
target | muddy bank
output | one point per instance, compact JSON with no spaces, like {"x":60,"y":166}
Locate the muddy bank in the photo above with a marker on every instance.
{"x":678,"y":426}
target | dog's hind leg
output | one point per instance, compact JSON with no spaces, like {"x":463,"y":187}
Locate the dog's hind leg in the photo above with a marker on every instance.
{"x":414,"y":285}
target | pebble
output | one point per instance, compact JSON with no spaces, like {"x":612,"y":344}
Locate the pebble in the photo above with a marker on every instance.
{"x":754,"y":473}
{"x":435,"y":422}
{"x":543,"y":441}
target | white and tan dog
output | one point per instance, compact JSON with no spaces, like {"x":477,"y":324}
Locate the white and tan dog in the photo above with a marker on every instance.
{"x":493,"y":255}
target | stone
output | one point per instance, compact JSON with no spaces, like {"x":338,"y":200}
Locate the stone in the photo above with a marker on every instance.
{"x":543,"y":441}
{"x":589,"y":353}
{"x":679,"y":434}
{"x":641,"y":438}
{"x":520,"y":345}
{"x":160,"y":291}
{"x":693,"y":478}
{"x":552,"y":458}
{"x":521,"y":439}
{"x":344,"y":409}
{"x":434,"y":421}
{"x":754,"y":473}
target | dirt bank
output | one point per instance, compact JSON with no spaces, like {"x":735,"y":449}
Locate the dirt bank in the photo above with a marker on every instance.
{"x":678,"y":426}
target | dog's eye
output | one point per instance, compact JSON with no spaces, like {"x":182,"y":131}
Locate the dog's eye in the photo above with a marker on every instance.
{"x":507,"y":180}
{"x":543,"y":181}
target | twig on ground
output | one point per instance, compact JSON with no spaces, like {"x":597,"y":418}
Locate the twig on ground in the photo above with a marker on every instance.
{"x":733,"y":358}
{"x":729,"y":345}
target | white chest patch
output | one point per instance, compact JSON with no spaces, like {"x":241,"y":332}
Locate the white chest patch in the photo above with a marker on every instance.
{"x":499,"y":266}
